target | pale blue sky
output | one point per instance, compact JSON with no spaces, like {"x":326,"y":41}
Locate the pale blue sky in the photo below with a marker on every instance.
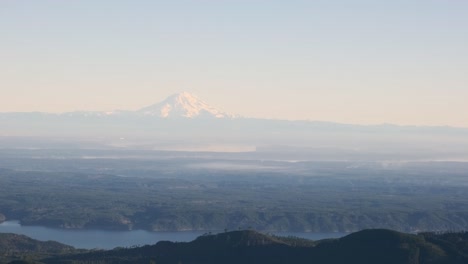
{"x":365,"y":62}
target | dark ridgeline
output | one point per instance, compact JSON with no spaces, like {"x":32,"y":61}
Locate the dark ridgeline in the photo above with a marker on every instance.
{"x":367,"y":246}
{"x":19,"y":247}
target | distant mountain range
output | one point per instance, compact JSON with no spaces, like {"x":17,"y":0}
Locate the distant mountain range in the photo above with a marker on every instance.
{"x":180,"y":105}
{"x":184,"y":122}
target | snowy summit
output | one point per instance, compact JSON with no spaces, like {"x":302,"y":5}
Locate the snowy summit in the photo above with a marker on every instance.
{"x":183,"y":105}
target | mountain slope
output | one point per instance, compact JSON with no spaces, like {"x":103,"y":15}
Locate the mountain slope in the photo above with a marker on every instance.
{"x":13,"y":246}
{"x":368,"y":246}
{"x":183,"y":105}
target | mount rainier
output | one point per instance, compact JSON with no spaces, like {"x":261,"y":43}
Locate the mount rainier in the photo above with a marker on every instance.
{"x":183,"y":119}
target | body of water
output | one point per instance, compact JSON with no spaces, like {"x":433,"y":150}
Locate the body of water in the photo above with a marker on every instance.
{"x":90,"y":239}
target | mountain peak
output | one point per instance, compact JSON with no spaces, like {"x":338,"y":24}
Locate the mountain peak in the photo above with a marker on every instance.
{"x":185,"y":105}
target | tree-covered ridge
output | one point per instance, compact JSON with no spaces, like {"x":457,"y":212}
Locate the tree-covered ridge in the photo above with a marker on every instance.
{"x":13,"y":246}
{"x":248,"y":246}
{"x":367,"y":246}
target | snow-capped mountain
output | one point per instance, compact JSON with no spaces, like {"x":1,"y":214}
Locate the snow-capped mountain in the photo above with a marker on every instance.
{"x":183,"y":105}
{"x":183,"y":121}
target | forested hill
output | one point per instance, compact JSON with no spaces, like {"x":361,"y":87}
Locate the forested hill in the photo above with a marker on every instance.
{"x":368,"y":246}
{"x":170,"y":195}
{"x":14,"y":247}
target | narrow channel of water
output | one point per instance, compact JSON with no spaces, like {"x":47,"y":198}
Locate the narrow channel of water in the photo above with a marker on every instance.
{"x":90,"y":239}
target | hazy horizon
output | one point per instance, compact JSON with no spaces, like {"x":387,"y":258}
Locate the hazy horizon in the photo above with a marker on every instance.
{"x":107,"y":111}
{"x":365,"y":62}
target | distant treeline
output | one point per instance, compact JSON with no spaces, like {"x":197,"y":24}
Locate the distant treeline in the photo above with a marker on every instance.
{"x":330,"y":198}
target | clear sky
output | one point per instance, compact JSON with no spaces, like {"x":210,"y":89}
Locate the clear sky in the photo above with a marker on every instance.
{"x":364,"y":62}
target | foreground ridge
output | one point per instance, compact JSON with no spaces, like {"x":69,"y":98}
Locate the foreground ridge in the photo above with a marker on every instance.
{"x":248,"y":246}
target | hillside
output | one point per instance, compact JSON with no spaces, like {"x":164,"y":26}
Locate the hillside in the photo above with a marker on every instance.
{"x":13,"y":246}
{"x":368,"y":246}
